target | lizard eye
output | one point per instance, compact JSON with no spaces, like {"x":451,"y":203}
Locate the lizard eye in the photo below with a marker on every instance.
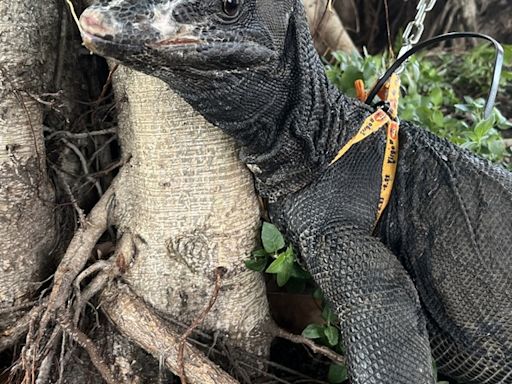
{"x":231,"y":8}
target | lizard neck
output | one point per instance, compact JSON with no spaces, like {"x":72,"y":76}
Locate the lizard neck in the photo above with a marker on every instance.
{"x":289,"y":120}
{"x":311,"y":124}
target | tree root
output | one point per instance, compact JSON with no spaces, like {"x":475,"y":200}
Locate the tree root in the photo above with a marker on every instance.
{"x":135,"y":320}
{"x":200,"y":318}
{"x":11,"y":335}
{"x":77,"y":255}
{"x":87,"y":344}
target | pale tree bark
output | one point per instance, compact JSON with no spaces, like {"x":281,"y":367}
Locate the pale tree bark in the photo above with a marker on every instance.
{"x":28,"y":37}
{"x":187,"y":205}
{"x":327,"y":29}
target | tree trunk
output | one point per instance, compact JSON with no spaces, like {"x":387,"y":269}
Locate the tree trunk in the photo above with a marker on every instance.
{"x":28,"y":38}
{"x":188,"y":206}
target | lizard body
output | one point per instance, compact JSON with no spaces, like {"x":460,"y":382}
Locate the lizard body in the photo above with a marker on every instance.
{"x":439,"y":261}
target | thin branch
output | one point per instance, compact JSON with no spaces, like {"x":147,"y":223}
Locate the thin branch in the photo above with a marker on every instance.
{"x":82,"y":135}
{"x":107,"y":83}
{"x":95,"y":286}
{"x":299,"y":339}
{"x":85,"y":167}
{"x":73,"y":200}
{"x":253,"y":358}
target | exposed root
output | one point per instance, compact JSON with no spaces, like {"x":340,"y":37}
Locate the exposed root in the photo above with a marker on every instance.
{"x":219,"y":272}
{"x":77,"y":255}
{"x":11,"y":335}
{"x":87,"y":344}
{"x":96,"y":285}
{"x":136,"y":321}
{"x":40,"y":345}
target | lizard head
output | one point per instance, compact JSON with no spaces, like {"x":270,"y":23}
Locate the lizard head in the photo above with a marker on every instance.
{"x":187,"y":35}
{"x":243,"y":64}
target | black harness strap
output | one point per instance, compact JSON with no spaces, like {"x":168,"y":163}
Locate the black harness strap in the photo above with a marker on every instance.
{"x":498,"y":65}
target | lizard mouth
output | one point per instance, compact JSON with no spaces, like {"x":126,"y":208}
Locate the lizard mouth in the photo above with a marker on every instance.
{"x":98,"y":34}
{"x":176,"y":41}
{"x":98,"y":44}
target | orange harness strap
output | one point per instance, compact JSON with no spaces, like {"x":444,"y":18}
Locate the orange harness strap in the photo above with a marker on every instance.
{"x":390,"y":94}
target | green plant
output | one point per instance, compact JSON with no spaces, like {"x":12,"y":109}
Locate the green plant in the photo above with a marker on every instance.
{"x":436,"y":94}
{"x":276,"y":258}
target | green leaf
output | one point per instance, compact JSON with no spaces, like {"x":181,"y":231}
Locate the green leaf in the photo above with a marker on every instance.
{"x":438,"y":118}
{"x":318,"y":294}
{"x":283,"y":276}
{"x":313,"y":331}
{"x":300,"y":273}
{"x":271,"y":238}
{"x":497,"y":147}
{"x":483,"y":127}
{"x":278,"y":264}
{"x":462,"y":107}
{"x":282,"y":266}
{"x":328,"y":315}
{"x":337,"y":374}
{"x":508,"y":54}
{"x":332,"y":335}
{"x":350,"y":75}
{"x":436,"y":96}
{"x":258,"y":264}
{"x":259,"y":253}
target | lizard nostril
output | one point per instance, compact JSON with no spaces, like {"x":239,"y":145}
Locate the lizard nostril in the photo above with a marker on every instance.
{"x":94,"y":22}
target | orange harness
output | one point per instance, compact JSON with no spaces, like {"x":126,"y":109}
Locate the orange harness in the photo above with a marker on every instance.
{"x":390,"y":94}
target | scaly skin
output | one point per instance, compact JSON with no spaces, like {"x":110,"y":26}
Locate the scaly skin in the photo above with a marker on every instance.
{"x":440,"y":257}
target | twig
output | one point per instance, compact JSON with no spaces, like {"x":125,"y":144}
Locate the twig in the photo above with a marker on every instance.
{"x":45,"y":368}
{"x":219,"y":272}
{"x":85,"y":167}
{"x":74,"y":202}
{"x":97,"y":266}
{"x":73,"y":13}
{"x":87,"y":344}
{"x":253,"y":357}
{"x":61,"y":357}
{"x":388,"y":30}
{"x":107,"y":83}
{"x":83,"y":135}
{"x":298,"y":339}
{"x":98,"y":151}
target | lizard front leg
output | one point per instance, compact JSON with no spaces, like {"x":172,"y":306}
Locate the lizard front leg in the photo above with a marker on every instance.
{"x":382,"y":324}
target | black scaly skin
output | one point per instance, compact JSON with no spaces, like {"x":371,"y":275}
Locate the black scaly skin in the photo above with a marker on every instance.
{"x":445,"y":237}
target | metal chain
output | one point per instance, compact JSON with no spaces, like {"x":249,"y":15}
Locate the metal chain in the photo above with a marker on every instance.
{"x":414,"y":29}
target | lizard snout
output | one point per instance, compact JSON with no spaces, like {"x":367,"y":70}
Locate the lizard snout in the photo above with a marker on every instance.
{"x":96,"y":23}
